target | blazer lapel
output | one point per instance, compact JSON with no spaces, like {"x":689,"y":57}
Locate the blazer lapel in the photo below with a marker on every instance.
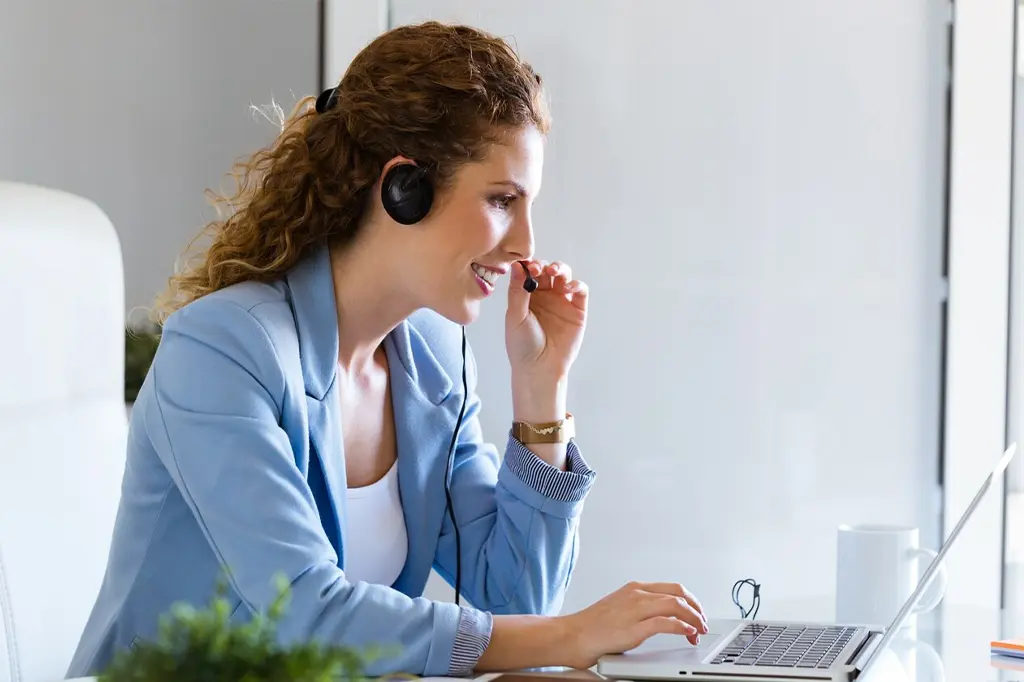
{"x":422,"y":431}
{"x":311,"y":290}
{"x":327,"y":445}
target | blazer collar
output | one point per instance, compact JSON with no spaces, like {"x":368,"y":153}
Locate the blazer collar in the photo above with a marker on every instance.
{"x":420,"y":363}
{"x":316,"y":321}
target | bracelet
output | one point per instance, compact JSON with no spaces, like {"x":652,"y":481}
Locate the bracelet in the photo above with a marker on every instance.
{"x":561,"y":431}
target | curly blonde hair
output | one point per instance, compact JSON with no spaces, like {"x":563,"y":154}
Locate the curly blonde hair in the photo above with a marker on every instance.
{"x":436,"y":93}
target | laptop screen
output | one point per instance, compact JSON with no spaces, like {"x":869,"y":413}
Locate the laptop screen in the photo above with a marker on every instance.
{"x":933,"y":567}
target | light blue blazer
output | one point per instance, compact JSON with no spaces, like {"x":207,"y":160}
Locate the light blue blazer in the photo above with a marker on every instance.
{"x":235,"y":459}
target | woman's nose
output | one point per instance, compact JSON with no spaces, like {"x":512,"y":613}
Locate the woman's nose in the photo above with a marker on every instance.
{"x":519,"y":242}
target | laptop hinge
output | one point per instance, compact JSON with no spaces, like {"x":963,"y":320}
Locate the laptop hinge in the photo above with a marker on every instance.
{"x":867,"y":647}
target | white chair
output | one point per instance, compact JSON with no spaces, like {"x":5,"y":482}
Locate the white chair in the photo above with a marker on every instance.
{"x":62,"y":421}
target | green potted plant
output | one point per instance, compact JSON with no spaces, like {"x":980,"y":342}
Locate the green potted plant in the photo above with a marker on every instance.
{"x":202,"y":645}
{"x":140,"y":344}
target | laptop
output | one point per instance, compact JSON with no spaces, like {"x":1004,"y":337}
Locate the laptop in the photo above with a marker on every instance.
{"x":752,"y":651}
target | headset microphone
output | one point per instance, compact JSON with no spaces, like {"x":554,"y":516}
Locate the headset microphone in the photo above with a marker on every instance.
{"x":530,"y":284}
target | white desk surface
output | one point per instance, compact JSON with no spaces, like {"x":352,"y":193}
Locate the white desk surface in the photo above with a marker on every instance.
{"x":958,"y":654}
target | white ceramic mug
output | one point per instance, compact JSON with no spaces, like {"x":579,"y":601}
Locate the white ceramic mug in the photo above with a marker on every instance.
{"x":877,"y":569}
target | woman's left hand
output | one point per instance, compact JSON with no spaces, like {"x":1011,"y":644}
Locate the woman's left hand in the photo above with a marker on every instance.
{"x":544,"y":329}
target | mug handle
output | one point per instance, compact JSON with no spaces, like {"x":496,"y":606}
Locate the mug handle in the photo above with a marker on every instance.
{"x":937,"y":589}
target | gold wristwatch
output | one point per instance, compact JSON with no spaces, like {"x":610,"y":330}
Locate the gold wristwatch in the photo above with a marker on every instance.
{"x":561,"y":431}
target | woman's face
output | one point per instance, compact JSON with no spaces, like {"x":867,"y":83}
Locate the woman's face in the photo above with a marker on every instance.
{"x":479,"y":226}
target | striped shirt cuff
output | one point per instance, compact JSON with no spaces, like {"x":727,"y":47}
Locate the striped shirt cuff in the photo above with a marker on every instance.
{"x":571,"y":485}
{"x":471,"y":639}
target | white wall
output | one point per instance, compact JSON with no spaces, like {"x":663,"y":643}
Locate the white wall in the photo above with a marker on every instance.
{"x":348,"y":27}
{"x":140,"y":105}
{"x":754,"y":192}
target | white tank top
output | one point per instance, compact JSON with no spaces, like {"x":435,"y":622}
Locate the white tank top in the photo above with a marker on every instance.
{"x":376,"y":544}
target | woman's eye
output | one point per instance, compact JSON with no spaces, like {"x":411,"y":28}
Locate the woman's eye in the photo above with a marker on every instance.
{"x":503,"y":201}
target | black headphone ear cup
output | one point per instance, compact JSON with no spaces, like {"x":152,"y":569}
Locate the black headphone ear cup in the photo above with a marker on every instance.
{"x":407,"y":193}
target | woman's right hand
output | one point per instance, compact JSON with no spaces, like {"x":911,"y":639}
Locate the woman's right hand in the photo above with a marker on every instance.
{"x":627,"y":617}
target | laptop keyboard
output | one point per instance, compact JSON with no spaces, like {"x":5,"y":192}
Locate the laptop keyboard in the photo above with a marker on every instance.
{"x":786,"y":646}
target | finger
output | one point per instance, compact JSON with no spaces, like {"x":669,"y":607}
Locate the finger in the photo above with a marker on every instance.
{"x":677,"y":590}
{"x":559,"y":283}
{"x":546,"y":279}
{"x":535,"y":267}
{"x":692,"y":600}
{"x":559,"y":268}
{"x":677,"y":607}
{"x":664,"y":588}
{"x":578,"y":293}
{"x":539,"y":271}
{"x":518,"y":297}
{"x":553,"y":274}
{"x":664,"y":625}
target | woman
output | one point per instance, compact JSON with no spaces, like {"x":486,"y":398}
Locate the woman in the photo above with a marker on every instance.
{"x":299,"y":415}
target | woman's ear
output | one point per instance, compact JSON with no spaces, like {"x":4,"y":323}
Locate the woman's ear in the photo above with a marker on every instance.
{"x":398,"y":160}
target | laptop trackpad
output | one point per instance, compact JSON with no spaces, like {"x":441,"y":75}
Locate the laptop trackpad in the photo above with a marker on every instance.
{"x":675,"y":649}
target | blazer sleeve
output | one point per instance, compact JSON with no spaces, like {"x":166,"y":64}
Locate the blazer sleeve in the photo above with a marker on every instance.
{"x":518,"y":520}
{"x":219,"y":389}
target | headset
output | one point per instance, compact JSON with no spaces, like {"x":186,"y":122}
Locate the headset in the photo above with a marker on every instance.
{"x":407,"y":194}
